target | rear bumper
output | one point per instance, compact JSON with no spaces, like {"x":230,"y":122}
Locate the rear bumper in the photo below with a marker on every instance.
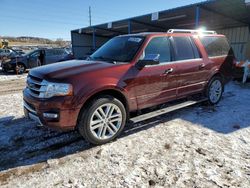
{"x":35,"y":109}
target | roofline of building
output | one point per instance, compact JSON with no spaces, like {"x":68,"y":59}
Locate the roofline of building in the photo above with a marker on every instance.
{"x":149,"y":14}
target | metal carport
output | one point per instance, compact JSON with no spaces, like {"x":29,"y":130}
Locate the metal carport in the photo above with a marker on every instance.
{"x":229,"y":17}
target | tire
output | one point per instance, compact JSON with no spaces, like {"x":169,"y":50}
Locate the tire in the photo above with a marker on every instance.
{"x":214,"y":90}
{"x":20,"y":68}
{"x":4,"y":70}
{"x":107,"y":129}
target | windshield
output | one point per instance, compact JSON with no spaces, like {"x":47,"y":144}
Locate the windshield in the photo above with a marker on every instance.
{"x":30,"y":53}
{"x":118,"y":49}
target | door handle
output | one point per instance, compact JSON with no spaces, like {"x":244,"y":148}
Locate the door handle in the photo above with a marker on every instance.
{"x":166,"y":72}
{"x":201,"y":66}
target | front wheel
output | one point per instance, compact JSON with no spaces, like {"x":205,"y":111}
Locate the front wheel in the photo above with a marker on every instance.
{"x":215,"y":90}
{"x":102,"y":120}
{"x":20,"y":68}
{"x":4,"y":70}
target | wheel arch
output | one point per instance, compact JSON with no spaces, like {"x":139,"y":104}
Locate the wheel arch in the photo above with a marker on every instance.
{"x":108,"y":91}
{"x":215,"y":74}
{"x":21,"y":63}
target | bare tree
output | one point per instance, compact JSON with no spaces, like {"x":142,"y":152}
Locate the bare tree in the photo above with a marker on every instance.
{"x":60,"y":42}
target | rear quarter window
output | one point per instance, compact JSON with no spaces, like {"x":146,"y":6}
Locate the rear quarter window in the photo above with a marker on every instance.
{"x":215,"y":46}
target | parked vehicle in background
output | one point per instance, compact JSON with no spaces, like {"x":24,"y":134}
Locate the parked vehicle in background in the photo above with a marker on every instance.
{"x":8,"y":53}
{"x":18,"y":51}
{"x":36,"y":58}
{"x":128,"y":73}
{"x":5,"y":52}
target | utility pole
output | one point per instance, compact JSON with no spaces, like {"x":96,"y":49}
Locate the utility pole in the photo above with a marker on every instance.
{"x":90,"y":16}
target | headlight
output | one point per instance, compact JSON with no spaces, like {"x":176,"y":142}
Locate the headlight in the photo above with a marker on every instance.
{"x":7,"y":60}
{"x":50,"y":89}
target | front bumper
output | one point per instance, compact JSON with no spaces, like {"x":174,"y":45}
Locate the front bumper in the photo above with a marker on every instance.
{"x":35,"y":108}
{"x":8,"y":66}
{"x":31,"y":113}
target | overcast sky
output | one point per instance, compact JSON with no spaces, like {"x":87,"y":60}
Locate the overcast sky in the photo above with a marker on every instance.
{"x":55,"y":19}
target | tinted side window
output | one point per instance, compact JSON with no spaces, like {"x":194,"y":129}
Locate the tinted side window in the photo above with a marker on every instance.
{"x":183,"y":48}
{"x":59,"y":52}
{"x":159,"y":45}
{"x":196,"y":51}
{"x":49,"y":52}
{"x":215,"y":46}
{"x":35,"y":54}
{"x":56,"y":52}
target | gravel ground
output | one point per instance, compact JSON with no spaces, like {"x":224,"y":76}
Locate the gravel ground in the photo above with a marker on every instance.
{"x":199,"y":146}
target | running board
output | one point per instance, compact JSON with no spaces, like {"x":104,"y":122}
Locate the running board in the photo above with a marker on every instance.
{"x":164,"y":110}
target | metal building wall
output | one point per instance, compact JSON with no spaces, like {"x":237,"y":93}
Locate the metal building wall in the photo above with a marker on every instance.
{"x":239,"y":38}
{"x":82,"y":44}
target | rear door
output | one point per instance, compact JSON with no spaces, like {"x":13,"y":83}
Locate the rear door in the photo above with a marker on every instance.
{"x":191,"y":68}
{"x":50,"y":56}
{"x":153,"y":85}
{"x":55,"y":55}
{"x":61,"y":55}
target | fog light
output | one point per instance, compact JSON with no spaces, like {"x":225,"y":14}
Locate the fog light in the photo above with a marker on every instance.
{"x":50,"y":115}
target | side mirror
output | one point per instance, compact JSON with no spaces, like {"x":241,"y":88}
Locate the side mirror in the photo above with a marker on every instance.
{"x":150,"y":59}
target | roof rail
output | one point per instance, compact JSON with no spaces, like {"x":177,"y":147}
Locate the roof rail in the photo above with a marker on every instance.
{"x":190,"y":31}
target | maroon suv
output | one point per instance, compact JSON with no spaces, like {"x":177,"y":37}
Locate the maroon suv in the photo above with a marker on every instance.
{"x":128,"y":73}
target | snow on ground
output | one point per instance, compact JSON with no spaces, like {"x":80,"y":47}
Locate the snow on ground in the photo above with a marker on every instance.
{"x":11,"y":76}
{"x":199,"y":146}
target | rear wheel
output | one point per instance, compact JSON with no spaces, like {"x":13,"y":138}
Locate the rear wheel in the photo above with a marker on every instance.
{"x":102,"y":120}
{"x":215,"y":90}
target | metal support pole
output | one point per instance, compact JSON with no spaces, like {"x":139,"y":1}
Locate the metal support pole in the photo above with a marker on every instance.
{"x":129,"y":26}
{"x":94,"y":39}
{"x":197,"y":16}
{"x":90,"y":19}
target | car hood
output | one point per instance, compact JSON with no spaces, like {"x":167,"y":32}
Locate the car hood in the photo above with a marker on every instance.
{"x":66,"y":69}
{"x":17,"y":57}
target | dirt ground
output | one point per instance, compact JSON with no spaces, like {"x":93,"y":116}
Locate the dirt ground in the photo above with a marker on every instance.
{"x":200,"y":146}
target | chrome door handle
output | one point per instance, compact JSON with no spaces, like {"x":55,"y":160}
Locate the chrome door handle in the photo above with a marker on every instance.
{"x":201,"y":66}
{"x":168,"y":71}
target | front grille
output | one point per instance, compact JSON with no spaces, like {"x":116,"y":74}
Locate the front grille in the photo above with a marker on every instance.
{"x":34,"y":84}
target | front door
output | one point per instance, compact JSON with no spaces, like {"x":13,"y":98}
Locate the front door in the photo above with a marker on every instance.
{"x":156,"y":84}
{"x":33,"y":59}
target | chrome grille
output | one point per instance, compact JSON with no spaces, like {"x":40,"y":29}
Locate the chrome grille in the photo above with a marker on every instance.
{"x":34,"y":84}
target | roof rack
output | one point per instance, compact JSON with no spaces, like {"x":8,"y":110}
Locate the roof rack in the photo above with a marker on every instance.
{"x":191,"y":31}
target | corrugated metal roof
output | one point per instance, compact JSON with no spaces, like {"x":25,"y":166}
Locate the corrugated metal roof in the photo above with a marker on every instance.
{"x":214,"y":14}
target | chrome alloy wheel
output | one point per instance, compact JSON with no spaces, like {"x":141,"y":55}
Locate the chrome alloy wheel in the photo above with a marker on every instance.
{"x":215,"y":91}
{"x":20,"y":69}
{"x":106,"y":121}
